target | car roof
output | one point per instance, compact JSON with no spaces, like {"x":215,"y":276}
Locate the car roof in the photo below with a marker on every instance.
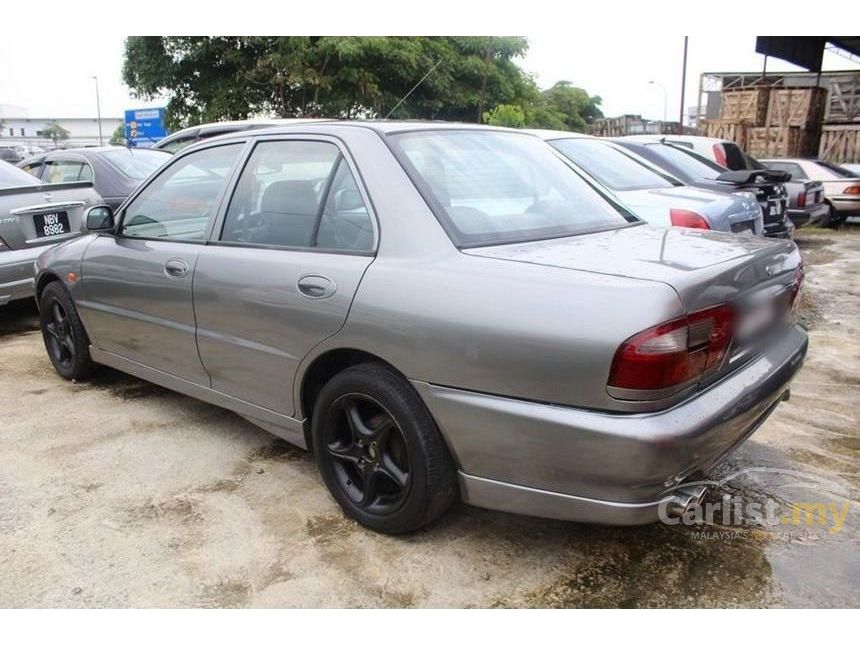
{"x":552,"y":135}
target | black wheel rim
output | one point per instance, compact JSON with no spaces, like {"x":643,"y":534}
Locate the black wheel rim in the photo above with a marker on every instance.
{"x":58,"y":334}
{"x":367,"y":452}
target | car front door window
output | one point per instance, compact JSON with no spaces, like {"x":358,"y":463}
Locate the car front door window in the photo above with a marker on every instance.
{"x":179,"y":203}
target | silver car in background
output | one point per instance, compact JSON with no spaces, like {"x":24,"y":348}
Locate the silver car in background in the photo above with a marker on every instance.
{"x":652,"y":193}
{"x":33,"y":216}
{"x":438,"y":311}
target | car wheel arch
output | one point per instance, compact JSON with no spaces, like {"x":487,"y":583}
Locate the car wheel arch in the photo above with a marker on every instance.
{"x":43,"y":281}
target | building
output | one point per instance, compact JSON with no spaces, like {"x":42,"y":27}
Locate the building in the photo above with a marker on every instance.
{"x":19,"y":127}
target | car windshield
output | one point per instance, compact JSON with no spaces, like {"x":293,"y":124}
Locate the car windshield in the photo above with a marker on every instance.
{"x":687,"y":161}
{"x":489,"y":187}
{"x":135,"y":163}
{"x":12,"y":177}
{"x":610,"y":166}
{"x":837,"y":169}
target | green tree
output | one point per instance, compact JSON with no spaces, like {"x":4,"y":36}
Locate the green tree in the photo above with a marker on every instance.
{"x":118,"y":136}
{"x":55,"y":132}
{"x":509,"y":116}
{"x":212,"y":78}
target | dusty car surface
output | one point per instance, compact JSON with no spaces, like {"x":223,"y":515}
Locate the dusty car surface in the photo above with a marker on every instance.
{"x":436,"y":310}
{"x":653,"y":194}
{"x":841,"y":186}
{"x":114,"y":170}
{"x":34,"y":215}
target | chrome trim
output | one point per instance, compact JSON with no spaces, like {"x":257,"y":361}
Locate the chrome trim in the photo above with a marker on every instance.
{"x":42,"y":240}
{"x":24,"y":210}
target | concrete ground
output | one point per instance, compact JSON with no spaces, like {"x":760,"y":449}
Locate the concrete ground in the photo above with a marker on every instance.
{"x":117,"y":493}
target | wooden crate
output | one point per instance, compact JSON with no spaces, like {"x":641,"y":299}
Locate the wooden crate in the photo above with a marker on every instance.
{"x":796,"y":106}
{"x":747,"y":106}
{"x":770,"y":141}
{"x":737,"y":132}
{"x":843,"y":101}
{"x":840,"y":143}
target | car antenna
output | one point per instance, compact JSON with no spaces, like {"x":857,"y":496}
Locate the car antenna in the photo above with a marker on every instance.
{"x":415,"y":87}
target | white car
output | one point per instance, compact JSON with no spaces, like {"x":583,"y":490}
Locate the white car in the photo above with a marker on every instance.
{"x":652,"y":193}
{"x":726,"y":153}
{"x":841,"y":186}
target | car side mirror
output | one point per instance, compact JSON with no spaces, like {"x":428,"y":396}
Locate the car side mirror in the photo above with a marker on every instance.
{"x":100,"y":218}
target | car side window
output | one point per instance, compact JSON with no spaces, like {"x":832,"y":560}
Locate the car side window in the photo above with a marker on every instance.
{"x":63,"y":170}
{"x":179,"y":203}
{"x":34,"y":169}
{"x":298,"y":194}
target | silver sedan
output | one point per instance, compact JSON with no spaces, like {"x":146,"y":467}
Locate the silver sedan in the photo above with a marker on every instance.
{"x":437,"y":311}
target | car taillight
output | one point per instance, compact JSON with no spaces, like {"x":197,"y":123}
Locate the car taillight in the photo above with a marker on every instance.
{"x":672,"y":355}
{"x":801,"y":200}
{"x":720,"y":155}
{"x":851,"y":190}
{"x":688,"y":219}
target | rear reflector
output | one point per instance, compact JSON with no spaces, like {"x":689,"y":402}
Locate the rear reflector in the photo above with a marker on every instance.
{"x":801,"y":200}
{"x":687,"y":219}
{"x":672,"y":355}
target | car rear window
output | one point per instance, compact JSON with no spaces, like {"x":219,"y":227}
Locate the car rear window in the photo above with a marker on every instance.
{"x":688,"y":161}
{"x":735,"y":158}
{"x":137,"y":163}
{"x":491,"y":187}
{"x":610,"y":166}
{"x":836,"y":169}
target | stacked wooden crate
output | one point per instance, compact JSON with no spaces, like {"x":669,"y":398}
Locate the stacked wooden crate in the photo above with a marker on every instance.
{"x":768,"y":121}
{"x":840,"y":135}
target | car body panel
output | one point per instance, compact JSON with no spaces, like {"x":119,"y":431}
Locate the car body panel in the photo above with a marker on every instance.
{"x":834,"y":186}
{"x":521,"y":335}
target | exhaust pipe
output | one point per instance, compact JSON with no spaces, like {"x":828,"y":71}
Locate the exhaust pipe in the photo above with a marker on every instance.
{"x":685,"y":499}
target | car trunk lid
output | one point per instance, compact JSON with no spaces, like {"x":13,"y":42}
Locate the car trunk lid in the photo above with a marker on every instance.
{"x":43,"y":214}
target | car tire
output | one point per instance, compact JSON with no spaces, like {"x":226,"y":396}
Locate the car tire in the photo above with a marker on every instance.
{"x":834,"y":219}
{"x":379,"y":451}
{"x":66,"y":341}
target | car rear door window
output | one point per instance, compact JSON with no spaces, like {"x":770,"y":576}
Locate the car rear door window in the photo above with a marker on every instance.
{"x":793,"y":169}
{"x":298,"y":194}
{"x":180,"y":201}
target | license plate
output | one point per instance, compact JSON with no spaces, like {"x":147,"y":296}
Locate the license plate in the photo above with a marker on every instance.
{"x":51,"y":224}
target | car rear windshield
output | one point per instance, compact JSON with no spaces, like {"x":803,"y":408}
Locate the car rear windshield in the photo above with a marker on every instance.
{"x":491,"y":187}
{"x":138,"y":163}
{"x":687,"y":161}
{"x":837,"y":169}
{"x":610,"y":166}
{"x":12,"y":177}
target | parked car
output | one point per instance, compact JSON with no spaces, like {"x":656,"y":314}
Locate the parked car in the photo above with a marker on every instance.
{"x":115,"y":171}
{"x":34,"y":216}
{"x":841,"y":186}
{"x":653,"y":194}
{"x":695,"y":170}
{"x":435,"y":309}
{"x":178,"y":140}
{"x":805,"y":197}
{"x":9,"y":154}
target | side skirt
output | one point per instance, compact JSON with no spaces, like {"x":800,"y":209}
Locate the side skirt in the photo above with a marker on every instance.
{"x":287,"y":428}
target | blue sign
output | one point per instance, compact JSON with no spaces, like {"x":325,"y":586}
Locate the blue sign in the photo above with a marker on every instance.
{"x":144,"y":128}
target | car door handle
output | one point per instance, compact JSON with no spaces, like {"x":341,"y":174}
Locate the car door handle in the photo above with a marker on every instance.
{"x":176,"y":268}
{"x":316,"y":286}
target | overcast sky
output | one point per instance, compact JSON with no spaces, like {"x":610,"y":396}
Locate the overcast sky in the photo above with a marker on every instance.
{"x":48,"y":84}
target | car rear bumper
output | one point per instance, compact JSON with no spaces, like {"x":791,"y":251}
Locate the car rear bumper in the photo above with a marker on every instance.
{"x":808,"y":216}
{"x":573,"y":464}
{"x":17,"y":272}
{"x":849,"y":205}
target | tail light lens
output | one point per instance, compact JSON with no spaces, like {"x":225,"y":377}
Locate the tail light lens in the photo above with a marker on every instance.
{"x":720,"y":155}
{"x":801,"y":200}
{"x":687,"y":219}
{"x":852,"y":190}
{"x":673,"y":355}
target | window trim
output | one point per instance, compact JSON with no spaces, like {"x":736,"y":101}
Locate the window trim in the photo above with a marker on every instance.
{"x":214,"y":239}
{"x":207,"y":232}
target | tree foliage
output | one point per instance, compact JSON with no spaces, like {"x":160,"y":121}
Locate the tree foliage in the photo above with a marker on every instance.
{"x":118,"y":136}
{"x":509,"y":116}
{"x":55,"y":132}
{"x":212,"y":78}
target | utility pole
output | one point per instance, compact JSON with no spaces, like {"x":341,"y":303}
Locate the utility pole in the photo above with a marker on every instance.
{"x":683,"y":88}
{"x":99,"y":111}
